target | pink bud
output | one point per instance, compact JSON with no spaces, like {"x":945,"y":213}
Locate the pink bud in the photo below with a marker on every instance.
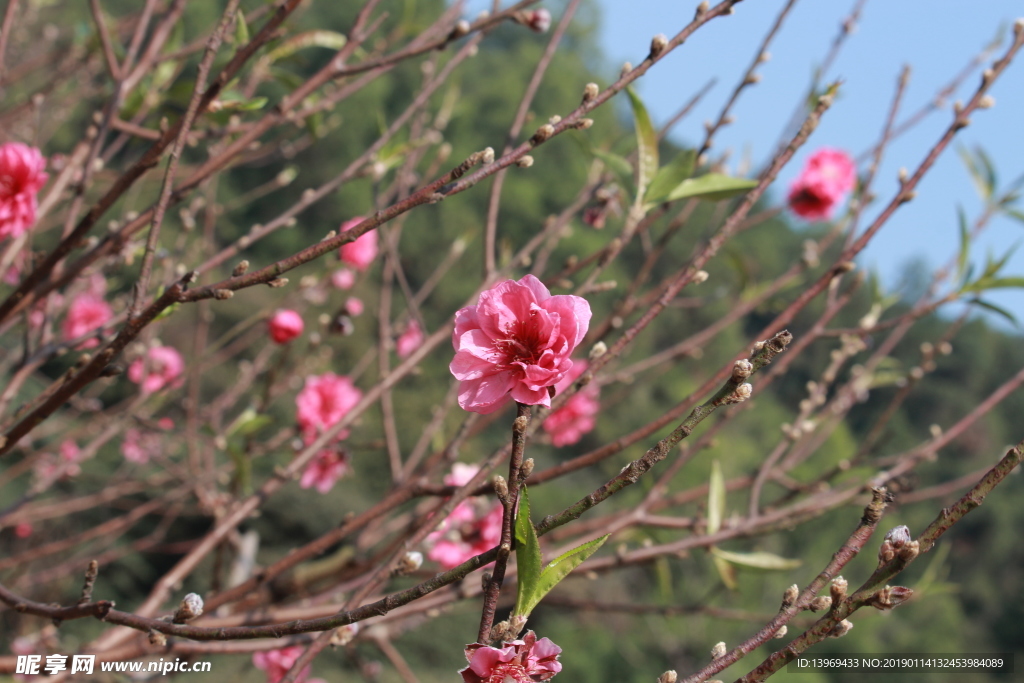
{"x":539,"y":20}
{"x":361,"y":252}
{"x":285,"y":325}
{"x":354,"y":306}
{"x":343,"y":278}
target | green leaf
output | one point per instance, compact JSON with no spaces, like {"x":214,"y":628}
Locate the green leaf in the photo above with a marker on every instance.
{"x":713,"y":187}
{"x":716,"y":498}
{"x":758,"y":560}
{"x":671,"y":175}
{"x":726,"y":571}
{"x":527,"y":557}
{"x":996,"y":309}
{"x":965,"y":243}
{"x":986,"y":283}
{"x":241,"y":29}
{"x":1015,"y":213}
{"x":559,"y":568}
{"x":982,"y":178}
{"x":247,"y":423}
{"x":647,"y":146}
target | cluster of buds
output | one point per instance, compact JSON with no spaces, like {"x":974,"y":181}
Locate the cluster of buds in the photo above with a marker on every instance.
{"x":897,"y":543}
{"x":538,"y":20}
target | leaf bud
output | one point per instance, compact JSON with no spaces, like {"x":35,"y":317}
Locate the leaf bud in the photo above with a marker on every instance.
{"x":501,"y":487}
{"x":527,"y":468}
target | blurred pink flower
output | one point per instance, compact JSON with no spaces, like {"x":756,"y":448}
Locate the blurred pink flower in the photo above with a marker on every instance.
{"x":21,"y":178}
{"x":71,"y":455}
{"x":285,"y":325}
{"x":354,"y":306}
{"x":363,"y":250}
{"x":276,"y":664}
{"x":519,"y":661}
{"x":822,"y":184}
{"x":329,"y":465}
{"x":568,"y":424}
{"x":138,"y":447}
{"x":539,"y":20}
{"x":517,"y":339}
{"x":21,"y":530}
{"x":410,"y":340}
{"x":165,"y":423}
{"x":472,"y":527}
{"x":323,"y":402}
{"x":160,"y":368}
{"x":343,"y":278}
{"x":86,"y":314}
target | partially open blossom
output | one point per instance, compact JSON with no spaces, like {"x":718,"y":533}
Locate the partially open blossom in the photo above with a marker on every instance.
{"x":472,"y":527}
{"x":21,"y":178}
{"x":86,"y":314}
{"x":519,"y":661}
{"x":517,"y":339}
{"x":161,"y":367}
{"x":410,"y":340}
{"x":362,"y":251}
{"x":568,"y":424}
{"x":285,"y":325}
{"x":323,"y":402}
{"x":329,"y":465}
{"x":539,"y":20}
{"x":276,"y":663}
{"x":822,"y":184}
{"x":343,"y":278}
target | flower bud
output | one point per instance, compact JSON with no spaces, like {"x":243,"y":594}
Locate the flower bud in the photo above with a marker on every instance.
{"x":590,"y":91}
{"x":658,"y":45}
{"x":699,"y":277}
{"x":527,"y":468}
{"x":669,"y":676}
{"x":410,"y":562}
{"x":525,"y":161}
{"x":718,"y":651}
{"x":702,"y":9}
{"x":838,"y":590}
{"x":191,"y":607}
{"x":344,"y":635}
{"x":741,"y":369}
{"x":240,"y":268}
{"x":820,"y":603}
{"x":539,"y":20}
{"x":501,"y":487}
{"x":598,"y":350}
{"x":781,"y":633}
{"x":898,"y":536}
{"x":543,"y":133}
{"x":840,"y":629}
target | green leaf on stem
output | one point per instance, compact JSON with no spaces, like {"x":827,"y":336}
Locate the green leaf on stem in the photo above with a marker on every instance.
{"x":527,"y":557}
{"x":726,"y":571}
{"x":757,"y":560}
{"x":671,"y":175}
{"x":988,"y":305}
{"x":965,"y":244}
{"x":241,"y":29}
{"x":712,"y":187}
{"x":647,"y":146}
{"x":535,"y":583}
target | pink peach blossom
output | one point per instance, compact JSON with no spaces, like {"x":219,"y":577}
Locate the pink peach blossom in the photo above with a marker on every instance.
{"x":409,"y":340}
{"x":22,"y":530}
{"x":519,"y":661}
{"x":70,"y":455}
{"x":323,"y":402}
{"x":165,"y":423}
{"x":329,"y":465}
{"x":276,"y":664}
{"x":21,"y":178}
{"x":361,"y":252}
{"x":568,"y":424}
{"x":285,"y":325}
{"x":825,"y":179}
{"x":354,"y":306}
{"x":87,"y":313}
{"x":517,"y":339}
{"x":343,"y":278}
{"x":161,"y":367}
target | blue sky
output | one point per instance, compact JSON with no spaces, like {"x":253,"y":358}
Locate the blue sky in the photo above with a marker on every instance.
{"x":937,"y":38}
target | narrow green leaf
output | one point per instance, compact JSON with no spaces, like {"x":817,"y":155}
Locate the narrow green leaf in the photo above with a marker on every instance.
{"x":647,"y":146}
{"x":986,"y":283}
{"x":977,"y":176}
{"x":965,"y":243}
{"x":559,"y":568}
{"x":527,"y":557}
{"x":671,"y":175}
{"x":331,"y":40}
{"x":713,"y":187}
{"x":758,"y":560}
{"x":716,"y":499}
{"x":726,"y":571}
{"x":996,"y":309}
{"x":1015,"y":213}
{"x":241,"y":29}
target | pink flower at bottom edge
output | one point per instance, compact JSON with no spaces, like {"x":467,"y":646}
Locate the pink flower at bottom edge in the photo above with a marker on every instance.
{"x":276,"y":663}
{"x":517,"y":340}
{"x":521,"y":661}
